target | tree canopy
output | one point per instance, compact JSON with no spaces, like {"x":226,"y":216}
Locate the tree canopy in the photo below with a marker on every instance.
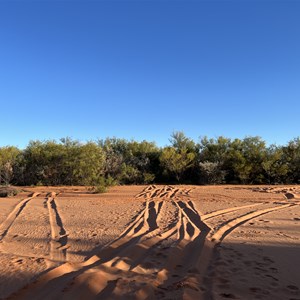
{"x":208,"y":161}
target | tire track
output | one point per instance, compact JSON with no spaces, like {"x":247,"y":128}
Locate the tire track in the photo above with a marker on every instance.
{"x":182,"y":257}
{"x":124,"y":254}
{"x":167,"y":248}
{"x":141,"y":240}
{"x":226,"y":228}
{"x":216,"y":237}
{"x":6,"y":225}
{"x":226,"y":211}
{"x":59,"y":236}
{"x":168,"y":192}
{"x":134,"y":259}
{"x":108,"y":256}
{"x":138,"y":256}
{"x":202,"y":242}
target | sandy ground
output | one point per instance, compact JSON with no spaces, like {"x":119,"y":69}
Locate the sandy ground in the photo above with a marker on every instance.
{"x":151,"y":242}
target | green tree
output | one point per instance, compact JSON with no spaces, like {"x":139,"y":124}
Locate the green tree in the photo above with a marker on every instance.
{"x":214,"y":150}
{"x":274,"y":165}
{"x":176,"y":162}
{"x":212,"y":172}
{"x":254,"y":151}
{"x":180,"y":141}
{"x":89,"y":166}
{"x":8,"y":158}
{"x":130,"y":162}
{"x":291,"y":156}
{"x":214,"y":159}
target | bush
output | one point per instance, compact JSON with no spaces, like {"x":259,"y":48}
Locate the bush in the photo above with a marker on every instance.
{"x":212,"y":172}
{"x":148,"y":178}
{"x":8,"y":192}
{"x":102,"y":185}
{"x":99,"y":189}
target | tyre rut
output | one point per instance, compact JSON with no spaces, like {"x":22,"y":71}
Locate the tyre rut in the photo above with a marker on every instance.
{"x":158,"y":254}
{"x":59,"y":236}
{"x":6,"y":225}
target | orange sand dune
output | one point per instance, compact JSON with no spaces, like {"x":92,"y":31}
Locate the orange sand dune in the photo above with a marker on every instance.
{"x":151,"y":242}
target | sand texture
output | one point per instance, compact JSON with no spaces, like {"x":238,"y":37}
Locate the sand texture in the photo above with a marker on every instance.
{"x":151,"y":242}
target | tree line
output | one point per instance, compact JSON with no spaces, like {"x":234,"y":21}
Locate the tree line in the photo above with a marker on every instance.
{"x":118,"y":161}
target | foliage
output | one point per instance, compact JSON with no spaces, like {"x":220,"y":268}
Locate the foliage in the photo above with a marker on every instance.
{"x":118,"y":161}
{"x":291,"y":154}
{"x":180,"y":142}
{"x":8,"y":191}
{"x":102,"y":185}
{"x":176,"y":162}
{"x":212,"y":172}
{"x":67,"y":162}
{"x":8,"y":158}
{"x":274,"y":165}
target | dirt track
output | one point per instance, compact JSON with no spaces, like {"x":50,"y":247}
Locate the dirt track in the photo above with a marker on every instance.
{"x":168,"y":250}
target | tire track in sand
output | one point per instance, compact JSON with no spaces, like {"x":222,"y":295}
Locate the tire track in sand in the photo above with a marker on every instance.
{"x":168,"y":192}
{"x":59,"y":236}
{"x":123,"y":255}
{"x":222,"y":212}
{"x":6,"y":225}
{"x":141,"y":260}
{"x":216,"y":237}
{"x":164,"y":252}
{"x":195,"y":244}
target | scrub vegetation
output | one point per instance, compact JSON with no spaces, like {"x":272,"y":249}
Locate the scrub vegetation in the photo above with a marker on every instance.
{"x":112,"y":161}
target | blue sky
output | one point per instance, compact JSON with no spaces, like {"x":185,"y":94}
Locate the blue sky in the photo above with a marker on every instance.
{"x":143,"y":69}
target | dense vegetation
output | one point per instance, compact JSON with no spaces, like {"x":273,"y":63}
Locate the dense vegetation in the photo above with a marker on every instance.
{"x":118,"y":161}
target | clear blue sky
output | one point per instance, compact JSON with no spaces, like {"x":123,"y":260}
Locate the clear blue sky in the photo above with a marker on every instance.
{"x":142,"y":69}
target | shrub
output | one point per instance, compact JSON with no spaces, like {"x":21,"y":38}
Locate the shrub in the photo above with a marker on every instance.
{"x":212,"y":172}
{"x":102,"y":184}
{"x":8,"y":192}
